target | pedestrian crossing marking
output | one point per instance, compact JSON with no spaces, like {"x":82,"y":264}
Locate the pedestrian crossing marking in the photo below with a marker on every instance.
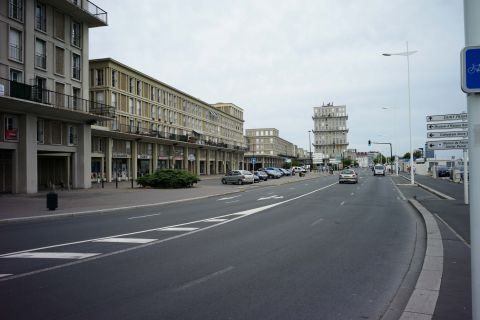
{"x":125,"y":240}
{"x":52,"y":255}
{"x":178,"y":229}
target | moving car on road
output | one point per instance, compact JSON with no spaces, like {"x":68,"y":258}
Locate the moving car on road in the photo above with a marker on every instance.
{"x":238,"y":177}
{"x":348,"y":175}
{"x":379,"y":170}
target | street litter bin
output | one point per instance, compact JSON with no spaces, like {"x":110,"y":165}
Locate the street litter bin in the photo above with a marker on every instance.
{"x":52,"y":200}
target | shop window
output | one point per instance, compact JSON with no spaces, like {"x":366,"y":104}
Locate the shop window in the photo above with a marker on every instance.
{"x":11,"y":128}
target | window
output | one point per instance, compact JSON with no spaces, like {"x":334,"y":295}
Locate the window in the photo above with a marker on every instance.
{"x":131,"y":85}
{"x":115,"y":123}
{"x":131,"y":109}
{"x":132,"y":125}
{"x":40,"y":130}
{"x":114,"y":78}
{"x":152,"y":111}
{"x":40,"y":17}
{"x":139,"y":87}
{"x":15,"y":9}
{"x":100,"y":97}
{"x":59,"y":60}
{"x":11,"y":127}
{"x":40,"y":54}
{"x":75,"y":66}
{"x":76,"y":34}
{"x":76,"y":98}
{"x":15,"y":45}
{"x":99,"y":77}
{"x":72,"y":137}
{"x":59,"y":25}
{"x":114,"y":100}
{"x":139,"y":108}
{"x":40,"y":92}
{"x":16,"y":75}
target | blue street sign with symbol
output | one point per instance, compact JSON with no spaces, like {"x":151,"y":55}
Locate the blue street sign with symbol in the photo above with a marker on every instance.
{"x":254,"y":160}
{"x":471,"y":69}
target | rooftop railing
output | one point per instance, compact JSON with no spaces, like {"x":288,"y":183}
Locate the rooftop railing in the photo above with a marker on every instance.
{"x":38,"y":94}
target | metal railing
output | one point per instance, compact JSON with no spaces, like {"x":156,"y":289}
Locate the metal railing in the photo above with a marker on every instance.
{"x":15,"y":52}
{"x":38,"y":94}
{"x":91,"y":8}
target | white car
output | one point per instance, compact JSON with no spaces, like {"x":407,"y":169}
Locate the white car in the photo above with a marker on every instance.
{"x":379,"y":170}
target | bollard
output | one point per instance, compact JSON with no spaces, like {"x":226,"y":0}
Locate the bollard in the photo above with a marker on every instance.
{"x":52,"y":200}
{"x":103,"y":182}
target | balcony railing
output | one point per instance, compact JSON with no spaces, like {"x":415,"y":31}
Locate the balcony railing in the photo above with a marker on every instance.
{"x":91,"y":8}
{"x":149,"y":132}
{"x":40,"y":60}
{"x":38,"y":94}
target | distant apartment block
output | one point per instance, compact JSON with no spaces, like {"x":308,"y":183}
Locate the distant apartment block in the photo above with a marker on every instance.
{"x":44,"y":107}
{"x":268,"y":149}
{"x":158,"y":126}
{"x":330,"y":130}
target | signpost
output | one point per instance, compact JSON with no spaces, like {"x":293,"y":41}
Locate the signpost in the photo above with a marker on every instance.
{"x":447,"y":125}
{"x":471,"y":69}
{"x":447,"y":117}
{"x":253,"y":161}
{"x":448,"y":144}
{"x":447,"y":134}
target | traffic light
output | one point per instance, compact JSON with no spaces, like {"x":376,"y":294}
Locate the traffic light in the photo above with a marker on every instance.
{"x":369,"y":143}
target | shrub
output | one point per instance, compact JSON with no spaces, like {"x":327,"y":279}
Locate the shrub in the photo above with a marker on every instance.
{"x":168,"y":178}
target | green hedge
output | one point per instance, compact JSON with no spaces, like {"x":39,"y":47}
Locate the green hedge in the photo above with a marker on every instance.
{"x":168,"y":178}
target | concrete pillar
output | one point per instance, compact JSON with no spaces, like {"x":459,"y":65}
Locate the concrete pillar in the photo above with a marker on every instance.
{"x":109,"y":159}
{"x":27,"y":155}
{"x":185,"y":158}
{"x":82,"y":167}
{"x":197,"y":161}
{"x":134,"y":160}
{"x":224,"y":161}
{"x":207,"y":162}
{"x":155,"y":157}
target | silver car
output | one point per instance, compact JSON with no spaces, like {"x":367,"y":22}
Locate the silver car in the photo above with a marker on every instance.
{"x":238,"y":177}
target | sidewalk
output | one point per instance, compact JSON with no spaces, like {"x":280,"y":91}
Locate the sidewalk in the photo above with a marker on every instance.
{"x":17,"y":208}
{"x":452,"y":216}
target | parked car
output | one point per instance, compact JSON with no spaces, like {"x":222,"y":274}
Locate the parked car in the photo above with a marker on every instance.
{"x":379,"y":170}
{"x":238,"y":177}
{"x":274,"y":174}
{"x":277,"y":170}
{"x":256,"y":178}
{"x":285,"y":172}
{"x":261,"y":175}
{"x":299,"y":169}
{"x":348,"y":175}
{"x":443,"y":171}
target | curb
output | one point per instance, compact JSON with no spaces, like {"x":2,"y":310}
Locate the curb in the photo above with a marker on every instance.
{"x":437,"y":193}
{"x":423,"y":300}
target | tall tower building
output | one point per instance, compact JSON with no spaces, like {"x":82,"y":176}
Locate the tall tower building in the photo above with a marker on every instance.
{"x":330,"y":130}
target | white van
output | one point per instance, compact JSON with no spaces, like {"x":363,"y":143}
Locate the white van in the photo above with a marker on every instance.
{"x":379,"y":170}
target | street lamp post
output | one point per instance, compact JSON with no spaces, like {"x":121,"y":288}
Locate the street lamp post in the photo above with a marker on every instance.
{"x":407,"y":54}
{"x":310,"y":150}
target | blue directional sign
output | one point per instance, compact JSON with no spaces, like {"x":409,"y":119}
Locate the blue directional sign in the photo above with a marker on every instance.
{"x":471,"y":69}
{"x":253,"y":160}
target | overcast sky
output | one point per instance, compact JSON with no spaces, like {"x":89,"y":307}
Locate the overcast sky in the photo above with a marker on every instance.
{"x":279,"y":59}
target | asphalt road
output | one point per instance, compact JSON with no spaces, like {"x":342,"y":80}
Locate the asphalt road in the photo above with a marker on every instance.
{"x":308,"y":250}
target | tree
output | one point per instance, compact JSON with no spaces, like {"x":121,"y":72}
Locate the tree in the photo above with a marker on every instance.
{"x":416,"y":154}
{"x":379,"y":159}
{"x":347,"y":162}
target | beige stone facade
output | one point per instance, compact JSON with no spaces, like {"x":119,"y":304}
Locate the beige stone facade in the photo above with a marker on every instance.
{"x":159,"y":126}
{"x":44,"y":109}
{"x":268,"y":149}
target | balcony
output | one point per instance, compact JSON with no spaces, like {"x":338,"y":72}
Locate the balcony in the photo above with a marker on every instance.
{"x":38,"y":97}
{"x":82,"y":11}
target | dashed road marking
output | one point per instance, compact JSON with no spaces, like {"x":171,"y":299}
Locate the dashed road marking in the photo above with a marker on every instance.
{"x":228,"y":198}
{"x":271,"y":197}
{"x":215,"y":220}
{"x":181,"y":229}
{"x":317,"y":221}
{"x":125,"y":240}
{"x":204,"y":279}
{"x":52,"y":255}
{"x":342,"y":203}
{"x":232,"y":201}
{"x":146,"y":216}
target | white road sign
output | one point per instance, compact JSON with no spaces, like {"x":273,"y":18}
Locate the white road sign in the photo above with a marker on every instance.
{"x":447,"y":117}
{"x":447,"y":125}
{"x":448,"y":134}
{"x":447,"y":144}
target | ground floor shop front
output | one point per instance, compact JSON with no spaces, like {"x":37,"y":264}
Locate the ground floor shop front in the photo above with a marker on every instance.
{"x":129,"y":159}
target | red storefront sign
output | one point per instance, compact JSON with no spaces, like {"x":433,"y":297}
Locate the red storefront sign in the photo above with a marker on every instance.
{"x":11,"y":134}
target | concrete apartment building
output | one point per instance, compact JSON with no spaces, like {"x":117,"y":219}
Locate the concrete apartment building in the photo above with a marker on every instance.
{"x":330,"y":131}
{"x":159,"y":126}
{"x":44,"y":108}
{"x":268,"y":149}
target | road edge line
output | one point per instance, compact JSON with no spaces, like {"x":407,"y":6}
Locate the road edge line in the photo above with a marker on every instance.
{"x":429,"y":189}
{"x":425,"y":295}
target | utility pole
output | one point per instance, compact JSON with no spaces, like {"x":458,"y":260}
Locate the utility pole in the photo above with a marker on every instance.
{"x":472,"y":38}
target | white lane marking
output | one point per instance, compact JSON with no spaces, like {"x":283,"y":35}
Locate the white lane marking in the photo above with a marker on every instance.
{"x":204,"y":279}
{"x":178,"y":236}
{"x":271,"y":197}
{"x":125,"y":240}
{"x":53,"y":255}
{"x":317,"y":221}
{"x":342,"y":203}
{"x":232,"y":201}
{"x":398,"y":190}
{"x":227,"y":198}
{"x":148,"y":215}
{"x":215,"y":220}
{"x":454,"y":232}
{"x":5,"y":275}
{"x":177,"y":229}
